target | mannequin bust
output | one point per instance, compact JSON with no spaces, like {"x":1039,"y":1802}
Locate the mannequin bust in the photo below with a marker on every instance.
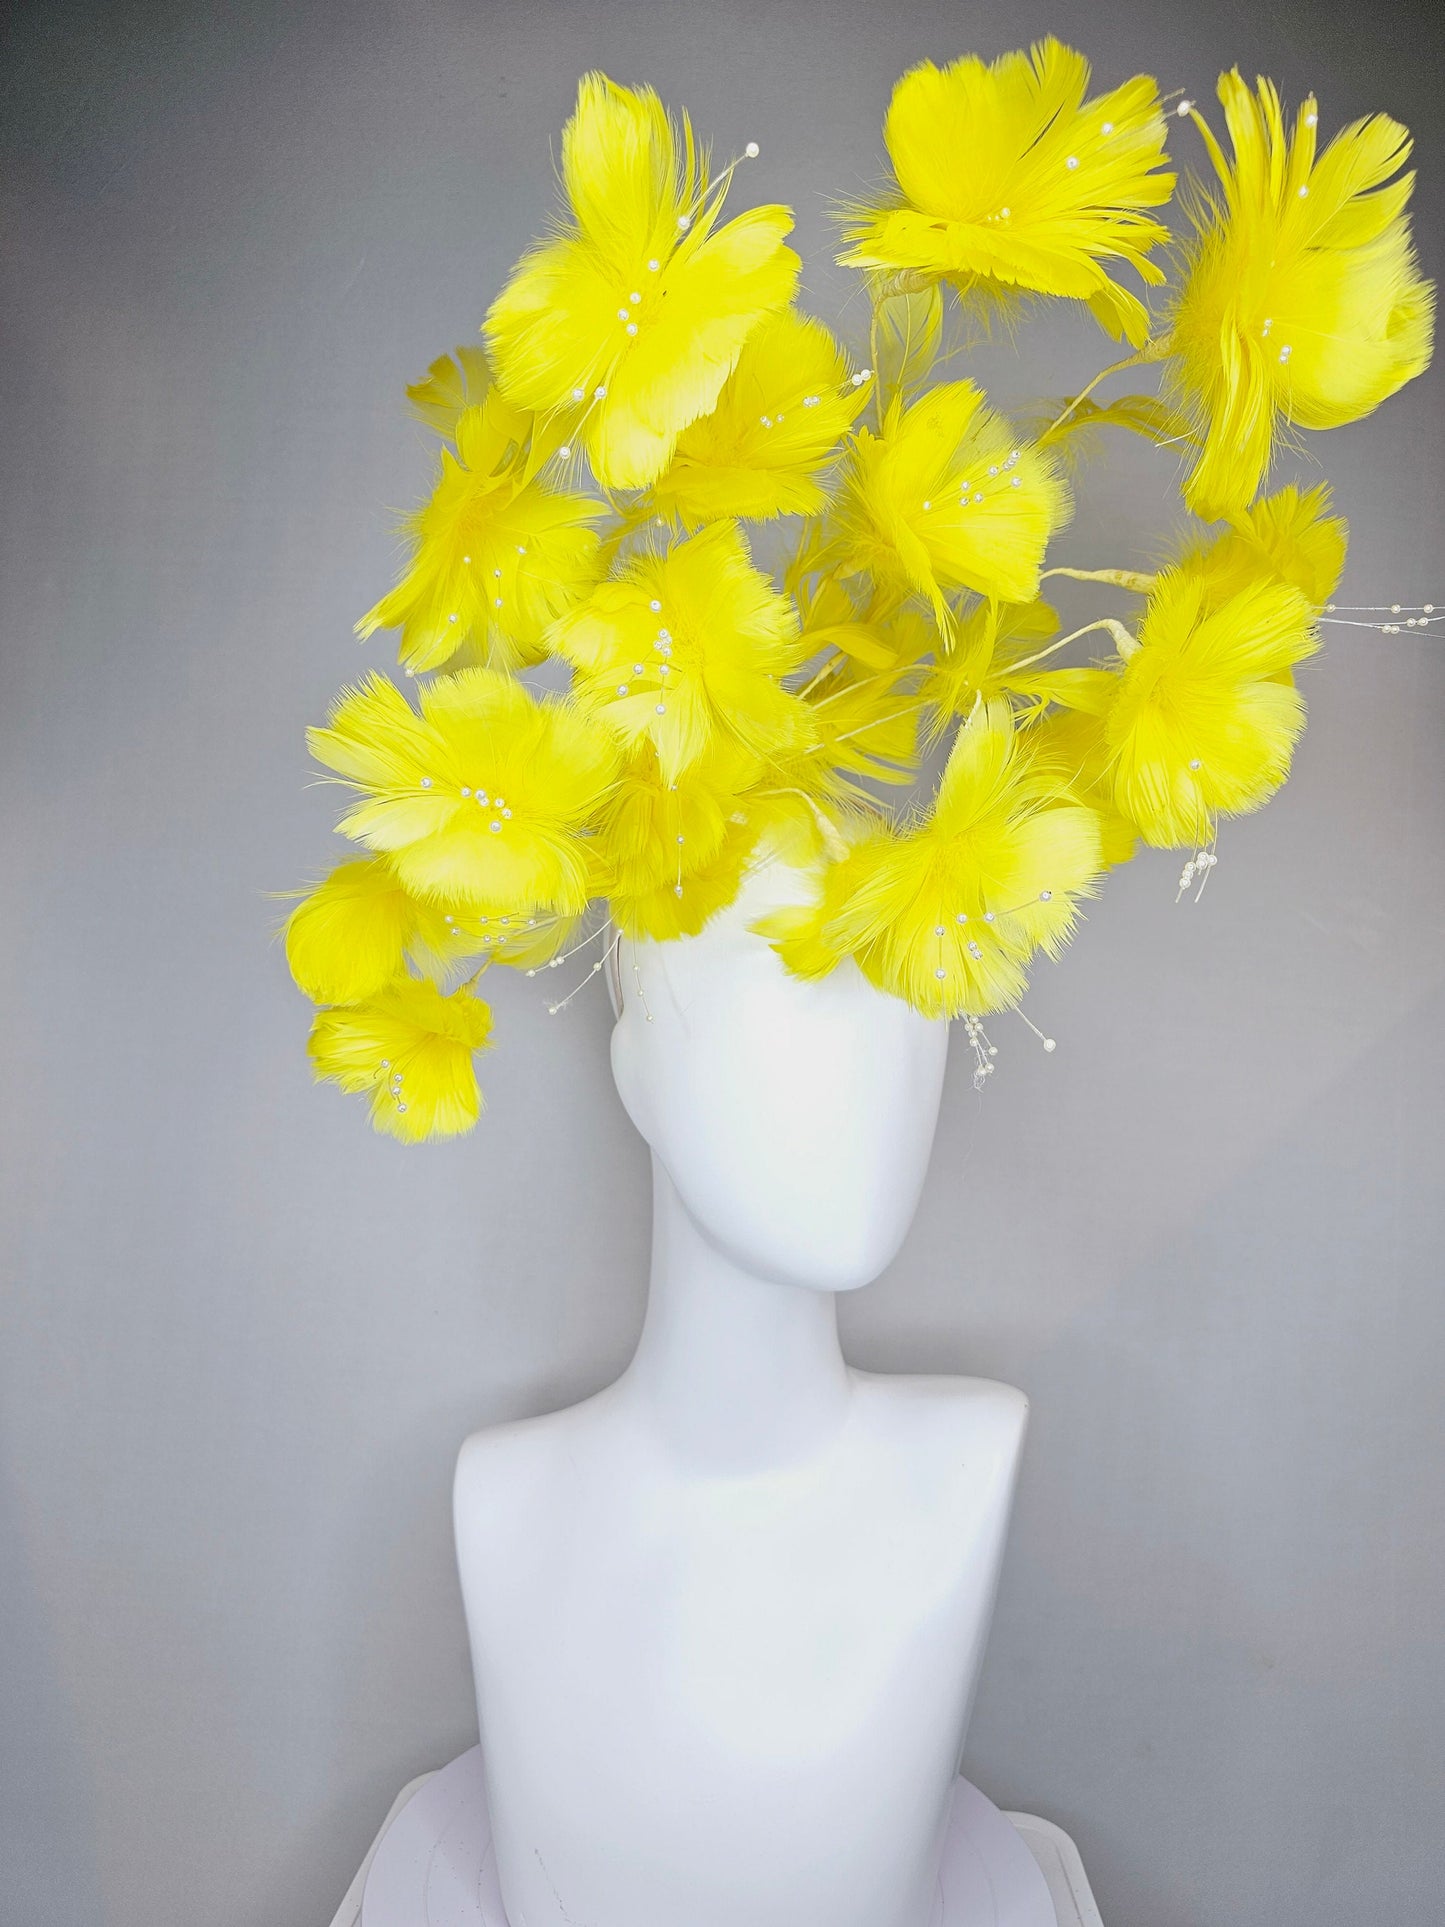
{"x":726,"y":1616}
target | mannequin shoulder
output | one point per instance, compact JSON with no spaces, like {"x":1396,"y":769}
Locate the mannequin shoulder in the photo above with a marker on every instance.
{"x":502,"y":1468}
{"x":969,"y":1414}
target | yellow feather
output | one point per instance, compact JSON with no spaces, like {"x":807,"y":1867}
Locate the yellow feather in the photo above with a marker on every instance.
{"x":353,"y":933}
{"x":496,"y":557}
{"x":1290,"y":534}
{"x":947,"y":914}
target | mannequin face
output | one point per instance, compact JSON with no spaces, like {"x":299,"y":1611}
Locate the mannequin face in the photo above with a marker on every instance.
{"x":795,"y":1119}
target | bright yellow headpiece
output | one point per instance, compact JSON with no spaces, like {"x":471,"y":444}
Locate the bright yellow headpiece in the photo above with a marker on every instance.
{"x":763,"y":581}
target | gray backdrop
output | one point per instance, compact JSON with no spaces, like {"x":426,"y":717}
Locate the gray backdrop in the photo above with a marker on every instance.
{"x":243,"y":1337}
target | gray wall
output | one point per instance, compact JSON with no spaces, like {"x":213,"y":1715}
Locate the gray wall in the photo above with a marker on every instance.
{"x":242,"y":1337}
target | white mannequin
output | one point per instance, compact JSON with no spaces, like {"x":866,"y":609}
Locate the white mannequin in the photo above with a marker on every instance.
{"x":726,"y":1617}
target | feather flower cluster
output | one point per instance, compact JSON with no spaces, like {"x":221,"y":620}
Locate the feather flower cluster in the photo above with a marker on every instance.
{"x":766,"y":579}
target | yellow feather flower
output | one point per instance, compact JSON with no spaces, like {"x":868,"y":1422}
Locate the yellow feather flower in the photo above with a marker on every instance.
{"x":634,"y":316}
{"x":778,"y":422}
{"x":1302,"y":299}
{"x":495,"y":558}
{"x":685,"y":649}
{"x":411,"y":1048}
{"x":356,"y":932}
{"x":1074,"y":742}
{"x":1207,"y":716}
{"x":1290,"y":534}
{"x":949,"y":913}
{"x":947,"y":498}
{"x":655,"y":839}
{"x":482,"y":799}
{"x":665,"y":910}
{"x":351,"y":936}
{"x":1010,"y":182}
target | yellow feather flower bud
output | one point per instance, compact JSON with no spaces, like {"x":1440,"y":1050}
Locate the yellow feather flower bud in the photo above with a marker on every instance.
{"x":1302,"y":299}
{"x":659,"y":842}
{"x":411,"y":1048}
{"x":1009,"y":182}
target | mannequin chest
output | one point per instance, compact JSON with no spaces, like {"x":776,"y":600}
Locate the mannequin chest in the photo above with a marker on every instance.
{"x":768,"y":1620}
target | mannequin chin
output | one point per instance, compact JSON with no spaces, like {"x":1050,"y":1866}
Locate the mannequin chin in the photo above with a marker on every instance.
{"x":795,"y":1119}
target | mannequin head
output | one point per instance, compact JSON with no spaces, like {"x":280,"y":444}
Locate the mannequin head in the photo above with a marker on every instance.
{"x":795,"y":1119}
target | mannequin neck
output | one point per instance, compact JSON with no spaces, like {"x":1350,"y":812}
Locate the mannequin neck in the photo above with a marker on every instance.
{"x":736,"y":1370}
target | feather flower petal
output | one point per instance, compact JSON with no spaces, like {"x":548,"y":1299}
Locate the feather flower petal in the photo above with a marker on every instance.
{"x":1290,"y":535}
{"x":411,"y":1048}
